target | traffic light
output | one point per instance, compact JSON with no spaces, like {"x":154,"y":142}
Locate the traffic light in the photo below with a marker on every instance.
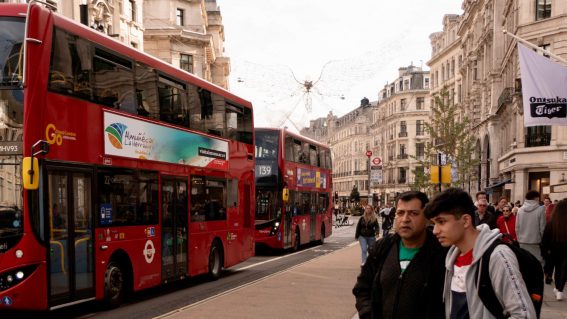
{"x":336,"y":196}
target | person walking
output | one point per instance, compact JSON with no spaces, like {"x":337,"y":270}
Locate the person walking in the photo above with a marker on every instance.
{"x":452,"y":213}
{"x":387,"y":215}
{"x":482,"y":215}
{"x":366,"y":231}
{"x":554,"y":244}
{"x":548,"y":263}
{"x":507,"y":225}
{"x":530,"y":224}
{"x":403,"y":276}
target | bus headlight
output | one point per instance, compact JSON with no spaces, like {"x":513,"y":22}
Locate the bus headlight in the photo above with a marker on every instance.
{"x":275,"y":228}
{"x":13,"y":277}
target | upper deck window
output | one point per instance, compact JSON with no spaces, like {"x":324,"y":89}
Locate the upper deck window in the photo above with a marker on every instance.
{"x":11,"y":50}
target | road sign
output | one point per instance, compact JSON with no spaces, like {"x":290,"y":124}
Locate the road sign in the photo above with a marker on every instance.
{"x":376,"y":174}
{"x":368,"y":153}
{"x":377,"y":161}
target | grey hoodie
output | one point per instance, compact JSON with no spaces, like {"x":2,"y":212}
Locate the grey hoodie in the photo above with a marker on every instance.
{"x":530,"y":222}
{"x":504,"y":273}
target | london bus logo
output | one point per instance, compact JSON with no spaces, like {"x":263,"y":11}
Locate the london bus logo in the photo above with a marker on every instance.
{"x":116,"y":134}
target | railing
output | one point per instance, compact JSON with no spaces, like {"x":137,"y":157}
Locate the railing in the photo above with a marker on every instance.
{"x":402,"y":156}
{"x":539,"y":139}
{"x":403,"y":134}
{"x":364,"y":172}
{"x":391,"y":157}
{"x":505,"y":96}
{"x":420,"y":132}
{"x":402,"y":181}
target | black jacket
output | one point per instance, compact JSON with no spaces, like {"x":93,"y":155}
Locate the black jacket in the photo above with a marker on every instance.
{"x":382,"y":291}
{"x":366,"y":229}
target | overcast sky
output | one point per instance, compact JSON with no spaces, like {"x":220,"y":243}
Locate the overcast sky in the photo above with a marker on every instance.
{"x":348,"y":49}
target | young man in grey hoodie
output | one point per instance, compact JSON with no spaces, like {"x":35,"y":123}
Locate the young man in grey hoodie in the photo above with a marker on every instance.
{"x":452,"y":213}
{"x":530,"y":224}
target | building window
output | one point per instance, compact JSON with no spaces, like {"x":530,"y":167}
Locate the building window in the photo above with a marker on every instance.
{"x":538,"y":136}
{"x":546,"y":47}
{"x":419,"y":128}
{"x":179,"y":16}
{"x":403,"y":105}
{"x":131,"y":10}
{"x":402,"y":174}
{"x":543,"y":9}
{"x":419,"y":151}
{"x":186,"y":62}
{"x":426,"y":85}
{"x":419,"y":102}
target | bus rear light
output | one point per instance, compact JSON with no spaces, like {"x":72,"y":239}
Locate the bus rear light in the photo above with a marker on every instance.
{"x":13,"y":277}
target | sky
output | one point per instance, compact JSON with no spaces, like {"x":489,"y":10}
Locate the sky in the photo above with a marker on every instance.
{"x":347,"y":50}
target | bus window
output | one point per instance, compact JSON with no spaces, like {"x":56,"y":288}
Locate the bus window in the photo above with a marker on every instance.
{"x":239,"y":123}
{"x":71,"y":65}
{"x":207,"y":199}
{"x":113,"y":81}
{"x":172,"y":102}
{"x":289,"y":149}
{"x":146,"y":92}
{"x":323,"y":202}
{"x":306,"y":203}
{"x":313,"y":160}
{"x":129,"y":197}
{"x":195,"y":108}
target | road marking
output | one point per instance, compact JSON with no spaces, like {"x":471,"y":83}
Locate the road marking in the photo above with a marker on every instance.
{"x":273,"y":259}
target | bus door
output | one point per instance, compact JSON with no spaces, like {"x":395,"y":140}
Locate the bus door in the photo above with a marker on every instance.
{"x":174,"y":228}
{"x":313,"y":215}
{"x":69,"y":225}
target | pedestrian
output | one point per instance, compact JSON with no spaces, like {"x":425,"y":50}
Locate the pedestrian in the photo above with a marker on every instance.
{"x":548,"y":263}
{"x":366,"y":231}
{"x":548,"y":208}
{"x":452,"y":213}
{"x":554,"y":244}
{"x":503,"y":201}
{"x":403,"y":276}
{"x":507,"y":225}
{"x":530,"y":224}
{"x":515,"y":211}
{"x":483,"y":216}
{"x":483,"y":195}
{"x":387,"y":215}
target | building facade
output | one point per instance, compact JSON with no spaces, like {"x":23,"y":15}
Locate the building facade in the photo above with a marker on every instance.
{"x":349,"y":139}
{"x":189,"y":35}
{"x":513,"y":158}
{"x":398,"y":131}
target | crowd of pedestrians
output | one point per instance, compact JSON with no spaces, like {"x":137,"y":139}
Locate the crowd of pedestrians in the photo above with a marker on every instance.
{"x":454,"y":258}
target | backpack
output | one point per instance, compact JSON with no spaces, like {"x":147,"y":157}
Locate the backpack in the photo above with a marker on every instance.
{"x":531,"y":271}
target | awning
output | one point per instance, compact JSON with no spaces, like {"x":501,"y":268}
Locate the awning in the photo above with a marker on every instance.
{"x":499,"y":184}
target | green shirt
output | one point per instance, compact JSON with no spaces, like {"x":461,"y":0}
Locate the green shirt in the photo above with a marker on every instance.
{"x":406,"y":255}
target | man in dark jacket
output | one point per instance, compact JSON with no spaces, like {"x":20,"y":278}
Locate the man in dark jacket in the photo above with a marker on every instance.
{"x":403,"y":276}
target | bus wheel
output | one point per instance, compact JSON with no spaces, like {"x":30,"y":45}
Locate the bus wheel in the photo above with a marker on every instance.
{"x":297,"y":241}
{"x":113,"y":284}
{"x":215,"y":261}
{"x":322,"y":241}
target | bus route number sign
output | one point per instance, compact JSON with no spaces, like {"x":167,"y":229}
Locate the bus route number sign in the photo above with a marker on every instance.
{"x":263,"y":170}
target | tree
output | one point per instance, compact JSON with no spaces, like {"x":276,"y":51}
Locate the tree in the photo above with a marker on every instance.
{"x":354,"y":195}
{"x":450,"y":134}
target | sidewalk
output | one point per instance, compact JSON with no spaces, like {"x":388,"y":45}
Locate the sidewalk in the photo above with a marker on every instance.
{"x":320,"y":288}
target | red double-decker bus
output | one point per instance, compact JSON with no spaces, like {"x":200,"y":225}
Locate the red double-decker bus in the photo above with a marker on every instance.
{"x":118,"y":171}
{"x":293,"y":189}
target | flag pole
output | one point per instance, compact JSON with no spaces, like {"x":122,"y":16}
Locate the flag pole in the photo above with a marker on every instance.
{"x":533,"y":46}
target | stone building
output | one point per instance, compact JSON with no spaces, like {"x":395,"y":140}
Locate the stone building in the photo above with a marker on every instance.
{"x":349,"y":138}
{"x":189,"y":35}
{"x":398,"y":130}
{"x":513,"y":158}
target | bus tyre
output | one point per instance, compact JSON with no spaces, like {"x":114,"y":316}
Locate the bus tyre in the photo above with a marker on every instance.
{"x":297,"y":241}
{"x":113,"y":285}
{"x":215,"y":261}
{"x":322,"y":241}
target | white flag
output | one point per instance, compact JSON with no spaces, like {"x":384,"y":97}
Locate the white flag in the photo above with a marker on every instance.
{"x":544,"y":89}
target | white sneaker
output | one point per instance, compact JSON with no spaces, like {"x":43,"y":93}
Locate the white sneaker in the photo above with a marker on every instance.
{"x":555,"y":290}
{"x":559,"y":295}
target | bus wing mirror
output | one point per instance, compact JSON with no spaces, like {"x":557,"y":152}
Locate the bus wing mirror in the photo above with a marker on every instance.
{"x":285,"y":195}
{"x":30,"y":173}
